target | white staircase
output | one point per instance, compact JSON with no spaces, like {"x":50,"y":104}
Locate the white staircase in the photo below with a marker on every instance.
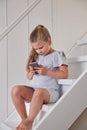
{"x":71,"y":104}
{"x":62,"y":114}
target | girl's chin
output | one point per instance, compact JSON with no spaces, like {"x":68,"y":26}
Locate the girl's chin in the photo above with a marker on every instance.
{"x":44,"y":54}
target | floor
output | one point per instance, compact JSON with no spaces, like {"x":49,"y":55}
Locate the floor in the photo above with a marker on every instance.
{"x":81,"y":122}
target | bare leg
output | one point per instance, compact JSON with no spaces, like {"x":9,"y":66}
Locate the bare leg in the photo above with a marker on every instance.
{"x":40,"y":96}
{"x":19,"y":95}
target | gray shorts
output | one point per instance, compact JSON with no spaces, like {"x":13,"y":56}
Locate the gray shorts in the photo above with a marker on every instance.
{"x":54,"y":95}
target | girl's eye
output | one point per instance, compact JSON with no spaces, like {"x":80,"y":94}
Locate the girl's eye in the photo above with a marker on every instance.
{"x":40,"y":47}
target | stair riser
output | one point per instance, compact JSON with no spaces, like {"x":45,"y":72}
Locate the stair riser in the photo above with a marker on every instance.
{"x":76,"y":68}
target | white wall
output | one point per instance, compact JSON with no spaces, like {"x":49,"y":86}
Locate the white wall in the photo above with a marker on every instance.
{"x":42,"y":14}
{"x":3,"y":61}
{"x":66,"y":21}
{"x":70,"y":22}
{"x":13,"y":52}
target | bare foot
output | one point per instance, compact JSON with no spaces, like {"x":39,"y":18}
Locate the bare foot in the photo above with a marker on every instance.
{"x":19,"y":126}
{"x":25,"y":125}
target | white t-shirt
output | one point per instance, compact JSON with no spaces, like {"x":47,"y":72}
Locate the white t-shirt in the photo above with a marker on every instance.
{"x":51,"y":61}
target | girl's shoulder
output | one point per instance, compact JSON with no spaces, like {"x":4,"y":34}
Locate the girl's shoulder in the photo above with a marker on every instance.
{"x":58,"y":53}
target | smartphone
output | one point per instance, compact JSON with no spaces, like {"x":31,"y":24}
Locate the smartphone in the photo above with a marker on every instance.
{"x":34,"y":64}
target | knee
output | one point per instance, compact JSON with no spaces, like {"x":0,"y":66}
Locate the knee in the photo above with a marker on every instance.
{"x":38,"y":93}
{"x":15,"y":91}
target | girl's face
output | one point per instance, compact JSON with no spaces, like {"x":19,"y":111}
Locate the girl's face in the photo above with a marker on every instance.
{"x":41,"y":47}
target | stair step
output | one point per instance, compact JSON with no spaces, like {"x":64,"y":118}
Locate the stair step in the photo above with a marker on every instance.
{"x":65,"y":84}
{"x":66,"y":81}
{"x":77,"y":59}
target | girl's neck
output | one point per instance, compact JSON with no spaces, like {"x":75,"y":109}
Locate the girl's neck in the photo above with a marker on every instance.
{"x":51,"y":51}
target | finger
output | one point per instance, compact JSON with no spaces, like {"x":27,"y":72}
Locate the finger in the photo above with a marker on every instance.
{"x":36,"y":68}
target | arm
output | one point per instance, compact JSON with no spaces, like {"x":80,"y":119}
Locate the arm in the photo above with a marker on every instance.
{"x":60,"y":73}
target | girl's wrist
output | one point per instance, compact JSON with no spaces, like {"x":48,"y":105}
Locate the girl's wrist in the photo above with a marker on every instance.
{"x":48,"y":72}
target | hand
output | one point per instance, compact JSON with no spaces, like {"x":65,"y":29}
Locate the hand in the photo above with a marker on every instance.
{"x":31,"y":68}
{"x":30,"y":73}
{"x":41,"y":70}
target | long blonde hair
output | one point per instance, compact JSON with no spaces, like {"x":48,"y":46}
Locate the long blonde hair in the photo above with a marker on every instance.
{"x":39,"y":33}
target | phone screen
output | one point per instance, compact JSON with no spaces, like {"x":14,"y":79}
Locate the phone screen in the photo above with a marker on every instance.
{"x":34,"y":64}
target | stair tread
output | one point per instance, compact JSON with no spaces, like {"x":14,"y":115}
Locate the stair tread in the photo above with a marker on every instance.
{"x":77,"y":59}
{"x":66,"y":81}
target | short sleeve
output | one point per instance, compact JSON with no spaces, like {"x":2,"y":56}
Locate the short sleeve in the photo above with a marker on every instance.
{"x":59,"y":59}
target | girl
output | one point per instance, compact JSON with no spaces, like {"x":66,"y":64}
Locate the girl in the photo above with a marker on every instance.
{"x":43,"y":88}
